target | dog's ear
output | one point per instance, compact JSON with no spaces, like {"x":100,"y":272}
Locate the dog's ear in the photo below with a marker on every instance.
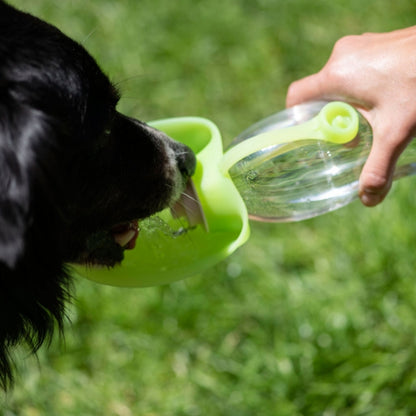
{"x":16,"y":157}
{"x":14,"y":202}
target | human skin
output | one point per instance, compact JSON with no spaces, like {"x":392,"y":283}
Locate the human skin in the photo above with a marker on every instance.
{"x":375,"y":72}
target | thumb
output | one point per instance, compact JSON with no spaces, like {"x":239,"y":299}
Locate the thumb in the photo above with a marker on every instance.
{"x":377,"y":175}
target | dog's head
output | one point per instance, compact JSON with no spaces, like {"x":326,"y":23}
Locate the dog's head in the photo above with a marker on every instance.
{"x":130,"y":172}
{"x":73,"y":169}
{"x":75,"y":174}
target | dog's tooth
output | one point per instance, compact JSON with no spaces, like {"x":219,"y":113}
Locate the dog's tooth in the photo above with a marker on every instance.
{"x":123,"y":239}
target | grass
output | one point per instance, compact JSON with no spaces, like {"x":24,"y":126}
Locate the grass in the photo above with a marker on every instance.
{"x":312,"y":318}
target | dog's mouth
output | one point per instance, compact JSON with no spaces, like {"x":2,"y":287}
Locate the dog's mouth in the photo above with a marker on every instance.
{"x":126,"y":233}
{"x":187,"y":206}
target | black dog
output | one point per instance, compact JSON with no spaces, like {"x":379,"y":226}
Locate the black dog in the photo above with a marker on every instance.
{"x":75,"y":176}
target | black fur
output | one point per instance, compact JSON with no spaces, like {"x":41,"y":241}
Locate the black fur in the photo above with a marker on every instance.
{"x":71,"y":168}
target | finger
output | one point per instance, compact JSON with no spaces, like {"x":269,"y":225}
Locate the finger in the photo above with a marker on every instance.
{"x":305,"y":89}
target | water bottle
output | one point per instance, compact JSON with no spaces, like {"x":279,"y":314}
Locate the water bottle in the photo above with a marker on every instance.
{"x":304,"y":161}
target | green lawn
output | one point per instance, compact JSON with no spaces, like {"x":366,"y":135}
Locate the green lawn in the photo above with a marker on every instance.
{"x":312,"y":318}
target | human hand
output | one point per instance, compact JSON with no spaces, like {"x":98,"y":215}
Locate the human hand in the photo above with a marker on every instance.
{"x":375,"y":72}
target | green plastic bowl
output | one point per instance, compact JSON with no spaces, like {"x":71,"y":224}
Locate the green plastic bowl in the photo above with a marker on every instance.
{"x":168,"y":249}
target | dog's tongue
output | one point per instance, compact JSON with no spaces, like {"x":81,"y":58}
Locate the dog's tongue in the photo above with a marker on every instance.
{"x":189,"y":206}
{"x":125,"y":235}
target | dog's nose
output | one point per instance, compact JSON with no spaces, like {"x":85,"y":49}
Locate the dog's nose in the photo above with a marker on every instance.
{"x":185,"y":158}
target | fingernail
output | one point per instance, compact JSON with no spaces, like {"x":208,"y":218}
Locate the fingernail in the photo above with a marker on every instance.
{"x":370,"y":199}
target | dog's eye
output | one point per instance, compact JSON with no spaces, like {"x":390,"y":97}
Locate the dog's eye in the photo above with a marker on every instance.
{"x":103,"y":141}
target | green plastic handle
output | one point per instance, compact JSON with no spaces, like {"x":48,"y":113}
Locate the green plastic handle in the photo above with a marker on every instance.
{"x":337,"y":122}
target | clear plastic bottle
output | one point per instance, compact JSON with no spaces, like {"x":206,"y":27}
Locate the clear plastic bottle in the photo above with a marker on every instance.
{"x":300,"y":177}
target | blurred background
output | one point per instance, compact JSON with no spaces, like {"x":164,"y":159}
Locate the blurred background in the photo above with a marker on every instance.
{"x":311,"y":318}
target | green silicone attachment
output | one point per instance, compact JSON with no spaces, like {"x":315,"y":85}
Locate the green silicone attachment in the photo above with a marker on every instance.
{"x":166,"y":249}
{"x":337,"y":122}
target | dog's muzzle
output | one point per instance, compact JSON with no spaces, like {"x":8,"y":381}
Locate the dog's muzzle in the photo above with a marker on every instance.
{"x":183,"y":159}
